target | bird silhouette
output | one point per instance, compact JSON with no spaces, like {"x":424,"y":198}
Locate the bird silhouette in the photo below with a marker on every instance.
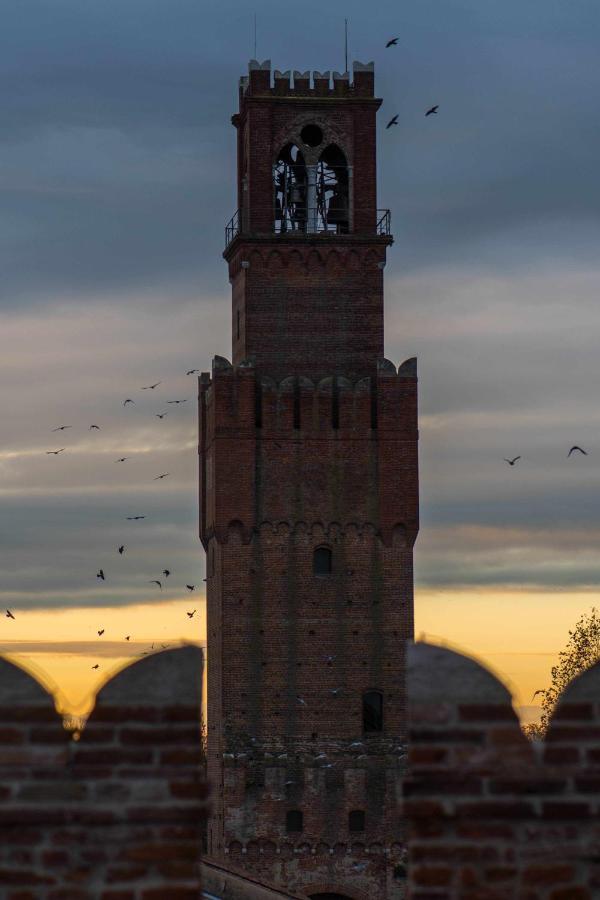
{"x":191,"y":587}
{"x":127,"y":637}
{"x":178,"y":401}
{"x":62,"y":427}
{"x":511,"y":462}
{"x":391,"y":43}
{"x":160,"y":415}
{"x":96,"y":666}
{"x":158,"y":477}
{"x":134,"y":518}
{"x":9,"y":615}
{"x":576,"y":448}
{"x":190,"y":615}
{"x":155,"y":581}
{"x":166,"y":572}
{"x":393,"y":121}
{"x":122,"y":458}
{"x":192,"y":371}
{"x":97,"y":427}
{"x":101,"y":632}
{"x":129,"y":400}
{"x":150,"y":387}
{"x":100,"y":574}
{"x":122,"y":549}
{"x":432,"y":110}
{"x":55,"y":452}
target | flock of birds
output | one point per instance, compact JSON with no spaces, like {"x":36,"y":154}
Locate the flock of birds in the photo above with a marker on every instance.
{"x":100,"y":574}
{"x":432,"y":111}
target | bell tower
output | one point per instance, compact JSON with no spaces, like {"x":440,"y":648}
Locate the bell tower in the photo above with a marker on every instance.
{"x":309,"y":503}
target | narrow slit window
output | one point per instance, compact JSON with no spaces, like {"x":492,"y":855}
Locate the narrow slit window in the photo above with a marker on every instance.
{"x":294,"y":821}
{"x":372,"y":711}
{"x":322,"y":561}
{"x":356,"y":820}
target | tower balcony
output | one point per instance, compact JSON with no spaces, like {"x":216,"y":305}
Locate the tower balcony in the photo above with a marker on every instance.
{"x":308,"y":221}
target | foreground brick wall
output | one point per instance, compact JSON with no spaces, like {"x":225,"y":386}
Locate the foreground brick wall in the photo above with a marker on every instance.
{"x":118,"y":814}
{"x":490,"y":815}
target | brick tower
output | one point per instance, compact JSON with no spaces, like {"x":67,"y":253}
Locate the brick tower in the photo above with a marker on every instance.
{"x":309,"y":504}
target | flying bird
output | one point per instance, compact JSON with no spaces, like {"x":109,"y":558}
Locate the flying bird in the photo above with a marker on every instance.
{"x":166,"y":572}
{"x":129,"y":400}
{"x":191,"y":587}
{"x":576,"y":448}
{"x":62,"y":427}
{"x":96,"y":666}
{"x":150,"y":387}
{"x":100,"y":574}
{"x":154,"y":581}
{"x":55,"y":452}
{"x":511,"y":462}
{"x":9,"y":615}
{"x":97,"y":427}
{"x":122,"y":458}
{"x":134,"y":518}
{"x":432,"y":110}
{"x":122,"y":549}
{"x":160,"y":415}
{"x":393,"y":121}
{"x":101,"y":632}
{"x":391,"y":43}
{"x":178,"y":401}
{"x":158,"y":477}
{"x":190,"y":615}
{"x":127,"y":637}
{"x":192,"y":371}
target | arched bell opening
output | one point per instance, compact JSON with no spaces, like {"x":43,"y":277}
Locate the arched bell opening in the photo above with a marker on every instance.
{"x":333,"y":193}
{"x":290,"y":184}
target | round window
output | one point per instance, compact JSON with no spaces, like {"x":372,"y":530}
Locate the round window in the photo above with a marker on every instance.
{"x":312,"y":135}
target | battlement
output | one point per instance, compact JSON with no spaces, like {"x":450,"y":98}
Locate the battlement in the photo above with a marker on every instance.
{"x":239,"y":396}
{"x":119,"y":812}
{"x":261,"y":82}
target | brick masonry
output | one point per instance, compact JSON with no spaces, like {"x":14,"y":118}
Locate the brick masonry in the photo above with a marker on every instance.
{"x":308,"y":439}
{"x":117,"y":815}
{"x":492,"y":816}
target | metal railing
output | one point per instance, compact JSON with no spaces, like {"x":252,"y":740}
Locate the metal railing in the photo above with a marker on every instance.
{"x":305,"y":220}
{"x":232,"y":228}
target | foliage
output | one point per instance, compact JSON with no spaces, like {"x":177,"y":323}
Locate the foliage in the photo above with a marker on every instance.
{"x":581,"y":652}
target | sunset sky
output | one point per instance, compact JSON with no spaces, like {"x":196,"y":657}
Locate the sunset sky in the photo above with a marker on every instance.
{"x":117,"y":166}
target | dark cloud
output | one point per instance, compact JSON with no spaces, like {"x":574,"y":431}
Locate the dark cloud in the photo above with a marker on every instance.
{"x":117,"y":177}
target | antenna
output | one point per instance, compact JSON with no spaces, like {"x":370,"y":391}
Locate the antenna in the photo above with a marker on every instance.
{"x":255,"y":56}
{"x":345,"y":45}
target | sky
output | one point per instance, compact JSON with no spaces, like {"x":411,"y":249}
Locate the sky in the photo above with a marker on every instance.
{"x":117,"y":168}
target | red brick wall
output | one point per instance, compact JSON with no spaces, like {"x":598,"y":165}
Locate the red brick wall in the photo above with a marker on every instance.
{"x":117,"y":815}
{"x":277,"y":493}
{"x":489,"y":814}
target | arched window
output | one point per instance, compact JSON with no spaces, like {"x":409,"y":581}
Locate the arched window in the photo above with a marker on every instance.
{"x":373,"y":711}
{"x":322,"y":561}
{"x":289,"y":177}
{"x":294,"y":821}
{"x":333,"y":191}
{"x":356,"y":820}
